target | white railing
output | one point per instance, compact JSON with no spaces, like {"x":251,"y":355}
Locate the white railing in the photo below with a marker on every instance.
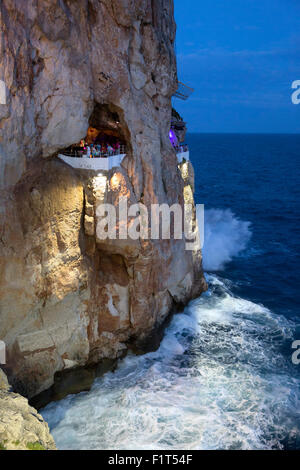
{"x":95,"y":164}
{"x":183,"y":91}
{"x":183,"y":153}
{"x":107,"y":161}
{"x":81,"y":153}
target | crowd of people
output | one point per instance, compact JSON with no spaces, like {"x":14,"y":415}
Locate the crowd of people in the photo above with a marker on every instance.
{"x":94,"y":150}
{"x":181,"y":148}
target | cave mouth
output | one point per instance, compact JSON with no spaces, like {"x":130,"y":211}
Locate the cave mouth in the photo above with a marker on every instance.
{"x":107,"y":134}
{"x":106,"y":125}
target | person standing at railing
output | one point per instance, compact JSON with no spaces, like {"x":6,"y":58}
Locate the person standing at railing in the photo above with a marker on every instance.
{"x":110,"y":149}
{"x":94,"y":151}
{"x":88,"y":151}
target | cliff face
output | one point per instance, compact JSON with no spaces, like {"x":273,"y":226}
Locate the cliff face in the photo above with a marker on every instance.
{"x":67,"y":298}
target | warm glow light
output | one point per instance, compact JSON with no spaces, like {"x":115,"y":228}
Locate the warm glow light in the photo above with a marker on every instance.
{"x":115,"y":181}
{"x":184,"y":170}
{"x":99,"y":182}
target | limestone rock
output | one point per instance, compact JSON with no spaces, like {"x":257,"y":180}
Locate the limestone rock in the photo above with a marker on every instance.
{"x":67,"y":297}
{"x":21,"y":427}
{"x":188,"y":175}
{"x":89,"y":225}
{"x":4,"y":385}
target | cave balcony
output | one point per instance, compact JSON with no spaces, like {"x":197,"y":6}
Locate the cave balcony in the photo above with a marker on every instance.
{"x":94,"y":163}
{"x":183,"y":154}
{"x":112,"y":161}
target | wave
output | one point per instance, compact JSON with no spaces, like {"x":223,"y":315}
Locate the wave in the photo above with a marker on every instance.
{"x":225,"y":236}
{"x":220,"y":380}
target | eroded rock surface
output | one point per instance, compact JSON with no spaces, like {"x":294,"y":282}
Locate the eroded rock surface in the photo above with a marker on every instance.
{"x":21,"y":427}
{"x":68,"y":299}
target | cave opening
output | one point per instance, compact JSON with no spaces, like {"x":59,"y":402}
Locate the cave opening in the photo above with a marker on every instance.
{"x":107,"y":134}
{"x":106,"y":126}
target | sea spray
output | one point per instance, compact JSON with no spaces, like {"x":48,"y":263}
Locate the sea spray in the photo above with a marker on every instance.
{"x":225,"y":236}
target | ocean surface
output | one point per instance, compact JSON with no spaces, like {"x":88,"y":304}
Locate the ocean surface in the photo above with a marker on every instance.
{"x":223,"y":377}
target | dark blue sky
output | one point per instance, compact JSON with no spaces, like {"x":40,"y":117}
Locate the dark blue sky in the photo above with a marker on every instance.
{"x":241,"y":56}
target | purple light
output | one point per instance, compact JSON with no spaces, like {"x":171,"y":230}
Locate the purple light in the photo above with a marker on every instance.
{"x":173,"y":138}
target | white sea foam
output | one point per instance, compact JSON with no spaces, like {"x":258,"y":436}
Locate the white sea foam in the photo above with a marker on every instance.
{"x":225,"y":236}
{"x":218,"y":381}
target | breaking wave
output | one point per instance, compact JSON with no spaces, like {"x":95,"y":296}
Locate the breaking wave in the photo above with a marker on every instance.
{"x":221,"y":379}
{"x":225,"y":236}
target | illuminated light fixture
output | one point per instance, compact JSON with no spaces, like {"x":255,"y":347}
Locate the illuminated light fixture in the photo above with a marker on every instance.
{"x":115,"y":181}
{"x":99,"y":182}
{"x":173,"y":138}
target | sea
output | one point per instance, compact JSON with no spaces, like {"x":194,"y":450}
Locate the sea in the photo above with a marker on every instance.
{"x":225,"y":375}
